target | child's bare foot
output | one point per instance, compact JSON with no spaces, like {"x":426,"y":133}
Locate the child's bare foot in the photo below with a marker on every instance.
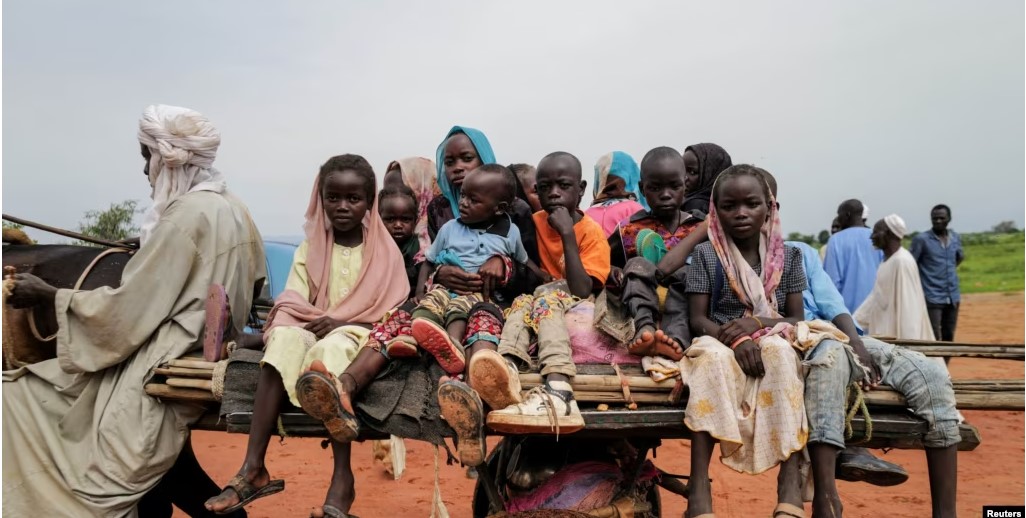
{"x":651,"y":342}
{"x":644,"y":342}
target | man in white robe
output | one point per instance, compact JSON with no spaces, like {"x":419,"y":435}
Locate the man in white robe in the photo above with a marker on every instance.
{"x":896,"y":307}
{"x":80,"y":435}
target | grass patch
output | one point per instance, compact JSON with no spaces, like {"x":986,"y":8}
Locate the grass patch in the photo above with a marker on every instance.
{"x":993,"y":262}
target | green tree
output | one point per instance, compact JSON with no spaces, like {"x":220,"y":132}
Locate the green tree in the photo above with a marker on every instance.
{"x":1005,"y":227}
{"x":824,"y":236}
{"x":808,"y":239}
{"x":113,"y":224}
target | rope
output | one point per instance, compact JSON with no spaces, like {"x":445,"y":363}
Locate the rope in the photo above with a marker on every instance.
{"x":438,"y":509}
{"x":78,"y":284}
{"x":857,"y":400}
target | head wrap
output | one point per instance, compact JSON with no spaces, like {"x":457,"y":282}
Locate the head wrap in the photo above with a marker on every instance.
{"x":484,"y":152}
{"x":757,"y":293}
{"x":377,"y":289}
{"x":182,"y":144}
{"x":620,"y":165}
{"x":419,"y":175}
{"x":865,"y":212}
{"x":897,"y":225}
{"x":712,"y":160}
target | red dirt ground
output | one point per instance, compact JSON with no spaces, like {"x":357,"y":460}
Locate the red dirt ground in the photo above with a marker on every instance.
{"x":992,"y":474}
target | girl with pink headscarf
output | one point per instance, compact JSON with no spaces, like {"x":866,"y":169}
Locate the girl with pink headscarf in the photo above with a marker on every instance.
{"x":342,"y":281}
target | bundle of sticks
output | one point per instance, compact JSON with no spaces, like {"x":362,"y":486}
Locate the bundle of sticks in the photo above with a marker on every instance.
{"x":977,"y":394}
{"x":188,"y":378}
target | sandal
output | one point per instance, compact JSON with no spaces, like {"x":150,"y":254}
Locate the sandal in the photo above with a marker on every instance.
{"x":330,"y":511}
{"x":218,"y":315}
{"x":462,"y":409}
{"x":248,"y":492}
{"x":784,"y":509}
{"x":319,"y":396}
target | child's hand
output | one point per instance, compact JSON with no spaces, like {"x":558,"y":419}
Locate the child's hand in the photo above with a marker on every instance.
{"x":322,"y":326}
{"x":736,"y":329}
{"x":749,"y":357}
{"x":561,"y":221}
{"x":492,"y":273}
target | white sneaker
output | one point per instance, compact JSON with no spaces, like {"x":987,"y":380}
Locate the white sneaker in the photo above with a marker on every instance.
{"x":495,"y":379}
{"x":549,"y":409}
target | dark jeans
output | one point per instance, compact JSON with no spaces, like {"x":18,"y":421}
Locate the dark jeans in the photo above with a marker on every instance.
{"x":943,"y":318}
{"x":642,"y":301}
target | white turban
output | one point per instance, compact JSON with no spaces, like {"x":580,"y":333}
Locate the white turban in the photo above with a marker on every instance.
{"x":896,"y":224}
{"x":182,"y":145}
{"x":865,"y":212}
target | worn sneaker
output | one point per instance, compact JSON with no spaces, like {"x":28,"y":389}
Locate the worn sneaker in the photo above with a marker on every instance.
{"x":434,"y":339}
{"x":401,"y":347}
{"x":548,"y":409}
{"x":462,"y":409}
{"x":495,"y":379}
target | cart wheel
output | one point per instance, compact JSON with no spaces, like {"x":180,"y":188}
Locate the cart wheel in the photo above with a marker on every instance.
{"x":479,"y":503}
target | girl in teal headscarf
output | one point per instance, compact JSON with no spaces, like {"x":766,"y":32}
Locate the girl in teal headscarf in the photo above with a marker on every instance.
{"x":461,"y":151}
{"x":617,"y":195}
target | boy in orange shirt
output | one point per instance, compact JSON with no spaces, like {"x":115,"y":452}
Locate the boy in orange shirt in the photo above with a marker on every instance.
{"x":573,"y":251}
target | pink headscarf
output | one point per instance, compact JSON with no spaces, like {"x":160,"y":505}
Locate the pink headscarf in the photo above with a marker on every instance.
{"x":755,"y":292}
{"x":377,"y":290}
{"x":419,"y":175}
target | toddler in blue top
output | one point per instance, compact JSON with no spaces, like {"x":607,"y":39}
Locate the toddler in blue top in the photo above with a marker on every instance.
{"x":483,"y":240}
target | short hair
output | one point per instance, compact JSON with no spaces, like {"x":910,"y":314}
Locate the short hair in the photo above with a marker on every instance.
{"x":509,"y":180}
{"x":349,"y":162}
{"x":854,"y":206}
{"x":563,"y":154}
{"x":658,"y":154}
{"x":942,"y":206}
{"x":521,"y":169}
{"x":399,"y":191}
{"x":739,"y":170}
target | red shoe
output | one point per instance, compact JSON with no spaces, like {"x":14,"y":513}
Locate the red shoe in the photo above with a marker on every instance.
{"x":436,"y":340}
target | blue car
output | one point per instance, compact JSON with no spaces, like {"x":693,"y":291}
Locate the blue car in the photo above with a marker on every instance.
{"x":278,"y":253}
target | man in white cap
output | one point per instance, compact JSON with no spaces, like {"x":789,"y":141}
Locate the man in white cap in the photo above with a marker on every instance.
{"x":80,"y":435}
{"x":896,"y":305}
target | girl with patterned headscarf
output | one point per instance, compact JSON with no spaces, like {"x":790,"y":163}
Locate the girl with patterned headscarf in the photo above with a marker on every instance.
{"x":617,"y":195}
{"x":744,"y":287}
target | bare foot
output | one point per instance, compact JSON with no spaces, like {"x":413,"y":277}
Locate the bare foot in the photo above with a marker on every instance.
{"x":644,"y":342}
{"x":650,"y":342}
{"x":343,"y":394}
{"x":667,"y":346}
{"x":258,"y":477}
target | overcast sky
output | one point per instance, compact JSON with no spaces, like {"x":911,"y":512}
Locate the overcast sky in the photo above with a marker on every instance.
{"x":901,"y":104}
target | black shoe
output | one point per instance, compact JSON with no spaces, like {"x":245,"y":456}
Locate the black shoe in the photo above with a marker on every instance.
{"x":858,"y":465}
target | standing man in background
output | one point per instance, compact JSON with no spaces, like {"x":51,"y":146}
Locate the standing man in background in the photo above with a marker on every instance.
{"x":938,"y":252}
{"x":851,"y":261}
